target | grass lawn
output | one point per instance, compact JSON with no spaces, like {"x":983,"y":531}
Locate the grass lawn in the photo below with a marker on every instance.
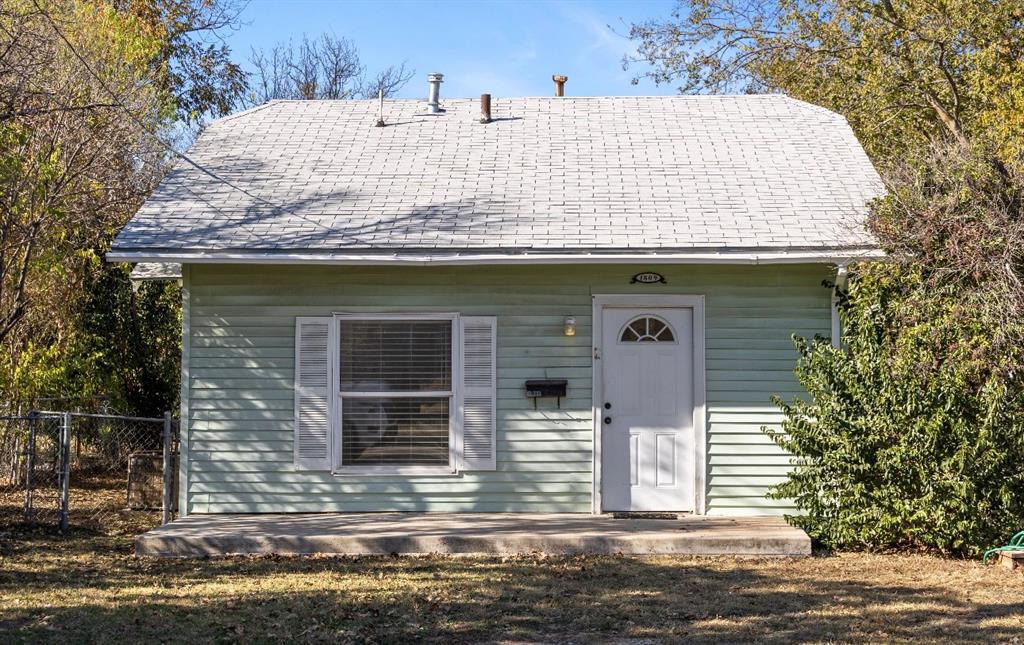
{"x":87,"y":588}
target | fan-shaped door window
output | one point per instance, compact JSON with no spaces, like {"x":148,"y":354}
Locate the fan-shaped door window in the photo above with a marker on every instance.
{"x":647,"y":329}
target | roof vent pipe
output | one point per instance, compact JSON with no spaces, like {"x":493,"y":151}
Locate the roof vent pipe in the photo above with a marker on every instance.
{"x":485,"y":108}
{"x":434,"y":95}
{"x":559,"y":84}
{"x":380,"y":115}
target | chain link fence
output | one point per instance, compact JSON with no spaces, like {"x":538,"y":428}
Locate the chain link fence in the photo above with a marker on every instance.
{"x":31,"y":472}
{"x":105,"y":473}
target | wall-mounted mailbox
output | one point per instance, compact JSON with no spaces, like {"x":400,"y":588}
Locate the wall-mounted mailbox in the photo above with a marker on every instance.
{"x":538,"y":388}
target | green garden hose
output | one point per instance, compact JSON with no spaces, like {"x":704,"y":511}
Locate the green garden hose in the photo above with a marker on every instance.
{"x":1016,"y":544}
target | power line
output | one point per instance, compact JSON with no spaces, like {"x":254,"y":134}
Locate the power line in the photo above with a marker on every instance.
{"x":132,"y":115}
{"x":156,"y":136}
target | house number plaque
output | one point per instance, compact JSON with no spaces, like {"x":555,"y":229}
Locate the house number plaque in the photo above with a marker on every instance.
{"x":648,"y":277}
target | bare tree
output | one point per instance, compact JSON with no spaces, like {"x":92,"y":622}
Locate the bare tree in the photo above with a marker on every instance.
{"x":338,"y":63}
{"x":26,"y":57}
{"x":957,"y":221}
{"x":327,"y":67}
{"x":390,"y":81}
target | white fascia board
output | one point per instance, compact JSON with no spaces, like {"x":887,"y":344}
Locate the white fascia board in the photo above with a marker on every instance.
{"x":829,"y":256}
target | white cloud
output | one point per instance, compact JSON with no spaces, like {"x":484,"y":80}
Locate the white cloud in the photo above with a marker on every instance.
{"x":602,"y":40}
{"x":601,"y":36}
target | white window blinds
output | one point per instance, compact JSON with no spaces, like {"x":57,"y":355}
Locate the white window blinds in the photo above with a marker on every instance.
{"x":396,"y":391}
{"x":396,"y":355}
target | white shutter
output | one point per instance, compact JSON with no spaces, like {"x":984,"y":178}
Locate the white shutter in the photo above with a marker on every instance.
{"x":314,"y":360}
{"x":478,"y":393}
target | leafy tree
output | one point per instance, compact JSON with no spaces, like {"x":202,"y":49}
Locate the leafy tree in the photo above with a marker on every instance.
{"x":72,"y":166}
{"x":131,"y":338}
{"x":192,"y":64}
{"x":89,"y":93}
{"x":899,"y":70}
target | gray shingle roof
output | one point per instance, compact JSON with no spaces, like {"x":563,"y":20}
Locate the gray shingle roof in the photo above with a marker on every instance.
{"x":157,"y":271}
{"x":682,"y":174}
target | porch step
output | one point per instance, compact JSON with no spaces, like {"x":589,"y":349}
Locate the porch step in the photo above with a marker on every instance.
{"x":470,"y":534}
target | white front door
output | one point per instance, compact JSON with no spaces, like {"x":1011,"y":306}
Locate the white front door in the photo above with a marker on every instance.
{"x":648,"y":439}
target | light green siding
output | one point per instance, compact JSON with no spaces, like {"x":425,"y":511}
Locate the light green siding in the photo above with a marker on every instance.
{"x":239,"y":403}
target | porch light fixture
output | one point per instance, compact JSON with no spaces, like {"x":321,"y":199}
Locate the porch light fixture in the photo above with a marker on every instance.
{"x":570,"y":326}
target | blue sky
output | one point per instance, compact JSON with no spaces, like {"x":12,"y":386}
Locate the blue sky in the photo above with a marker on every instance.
{"x":505,"y":48}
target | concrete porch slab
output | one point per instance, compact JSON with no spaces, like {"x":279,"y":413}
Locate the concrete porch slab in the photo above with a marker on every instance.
{"x":470,"y":533}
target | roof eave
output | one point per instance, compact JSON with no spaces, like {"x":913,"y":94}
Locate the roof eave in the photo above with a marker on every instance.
{"x":836,"y":255}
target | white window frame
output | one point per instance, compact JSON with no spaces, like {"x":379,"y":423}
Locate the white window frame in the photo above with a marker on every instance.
{"x":629,"y":323}
{"x":338,"y":468}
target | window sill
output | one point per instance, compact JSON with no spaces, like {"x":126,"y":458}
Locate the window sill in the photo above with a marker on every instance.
{"x":405,"y":471}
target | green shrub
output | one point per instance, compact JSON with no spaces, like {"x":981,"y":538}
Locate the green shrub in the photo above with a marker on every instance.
{"x":912,"y":434}
{"x":119,"y":349}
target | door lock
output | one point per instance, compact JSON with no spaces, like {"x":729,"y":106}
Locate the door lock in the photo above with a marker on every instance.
{"x":607,"y":420}
{"x":607,"y":406}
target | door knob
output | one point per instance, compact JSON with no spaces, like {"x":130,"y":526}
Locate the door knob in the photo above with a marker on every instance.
{"x":607,"y":419}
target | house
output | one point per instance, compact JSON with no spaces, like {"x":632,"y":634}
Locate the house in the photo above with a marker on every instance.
{"x":567,"y":305}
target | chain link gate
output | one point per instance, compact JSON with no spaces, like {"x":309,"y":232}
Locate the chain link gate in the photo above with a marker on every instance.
{"x":31,"y":469}
{"x":102,"y":472}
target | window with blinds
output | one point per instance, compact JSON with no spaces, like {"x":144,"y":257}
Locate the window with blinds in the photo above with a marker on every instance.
{"x":396,"y":392}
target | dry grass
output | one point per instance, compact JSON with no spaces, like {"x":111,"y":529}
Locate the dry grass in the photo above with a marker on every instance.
{"x":92,"y":589}
{"x":88,"y":587}
{"x":97,"y":502}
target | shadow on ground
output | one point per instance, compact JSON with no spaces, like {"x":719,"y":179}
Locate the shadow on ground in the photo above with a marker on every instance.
{"x":93,"y":589}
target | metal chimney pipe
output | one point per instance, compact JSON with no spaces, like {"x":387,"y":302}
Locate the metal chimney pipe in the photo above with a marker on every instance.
{"x":485,"y":108}
{"x":434,"y":95}
{"x":380,"y":114}
{"x":559,"y":84}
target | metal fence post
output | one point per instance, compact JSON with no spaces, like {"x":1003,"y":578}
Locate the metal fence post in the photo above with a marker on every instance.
{"x":30,"y":463}
{"x":167,"y":499}
{"x":65,"y":469}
